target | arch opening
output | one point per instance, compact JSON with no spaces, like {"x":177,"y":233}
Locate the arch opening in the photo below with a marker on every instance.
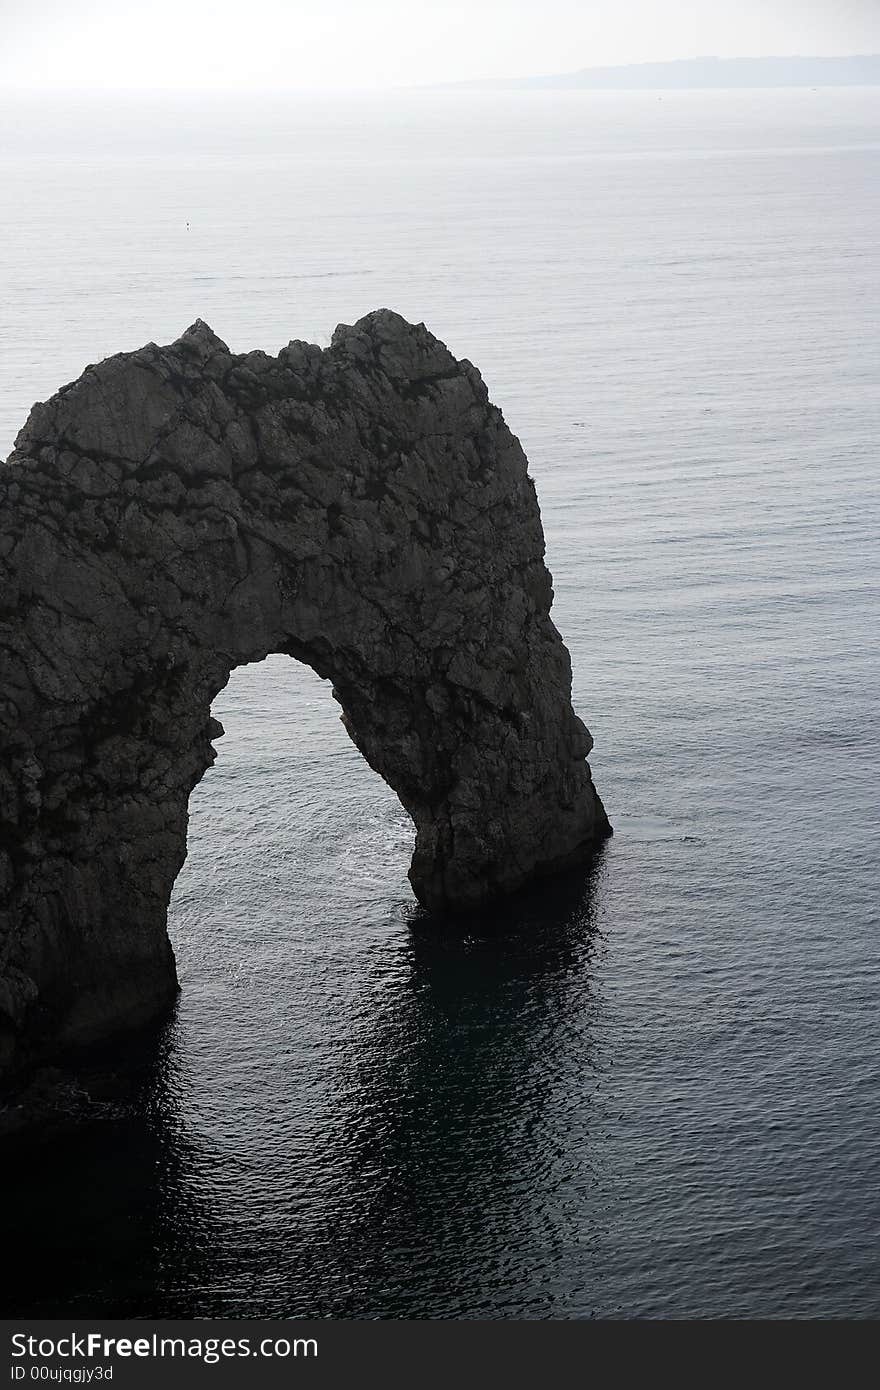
{"x":292,"y":838}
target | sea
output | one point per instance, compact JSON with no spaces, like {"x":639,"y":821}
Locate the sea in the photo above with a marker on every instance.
{"x":647,"y":1091}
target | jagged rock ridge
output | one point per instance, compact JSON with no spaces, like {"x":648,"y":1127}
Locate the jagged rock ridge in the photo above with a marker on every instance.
{"x":181,"y":510}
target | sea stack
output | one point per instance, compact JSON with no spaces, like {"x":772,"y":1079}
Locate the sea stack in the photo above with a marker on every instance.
{"x":179,"y":511}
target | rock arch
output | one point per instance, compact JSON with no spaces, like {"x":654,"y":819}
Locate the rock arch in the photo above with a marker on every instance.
{"x":181,"y":510}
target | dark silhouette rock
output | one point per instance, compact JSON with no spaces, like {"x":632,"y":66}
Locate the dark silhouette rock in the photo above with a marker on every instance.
{"x":179,"y":511}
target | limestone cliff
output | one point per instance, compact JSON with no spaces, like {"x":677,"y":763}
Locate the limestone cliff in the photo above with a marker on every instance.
{"x":180,"y":510}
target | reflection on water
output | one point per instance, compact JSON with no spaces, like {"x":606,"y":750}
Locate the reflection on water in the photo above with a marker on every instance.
{"x":457,"y":1147}
{"x":444,"y":1160}
{"x":98,"y":1198}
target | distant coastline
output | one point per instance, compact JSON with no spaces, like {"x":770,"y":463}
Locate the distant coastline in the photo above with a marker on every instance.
{"x":858,"y":70}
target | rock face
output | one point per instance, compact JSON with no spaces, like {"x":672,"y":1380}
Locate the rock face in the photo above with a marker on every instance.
{"x":178,"y":511}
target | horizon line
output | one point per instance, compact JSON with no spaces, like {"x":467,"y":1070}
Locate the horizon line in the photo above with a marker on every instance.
{"x":440,"y":84}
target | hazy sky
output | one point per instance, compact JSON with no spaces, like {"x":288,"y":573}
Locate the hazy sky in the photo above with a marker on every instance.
{"x":378,"y":43}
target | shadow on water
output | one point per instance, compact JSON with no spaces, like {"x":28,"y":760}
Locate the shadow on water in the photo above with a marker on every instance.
{"x":91,"y":1192}
{"x":457,"y":1150}
{"x":436,"y":1188}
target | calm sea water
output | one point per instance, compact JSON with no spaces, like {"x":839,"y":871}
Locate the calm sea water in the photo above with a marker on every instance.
{"x":657,"y":1093}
